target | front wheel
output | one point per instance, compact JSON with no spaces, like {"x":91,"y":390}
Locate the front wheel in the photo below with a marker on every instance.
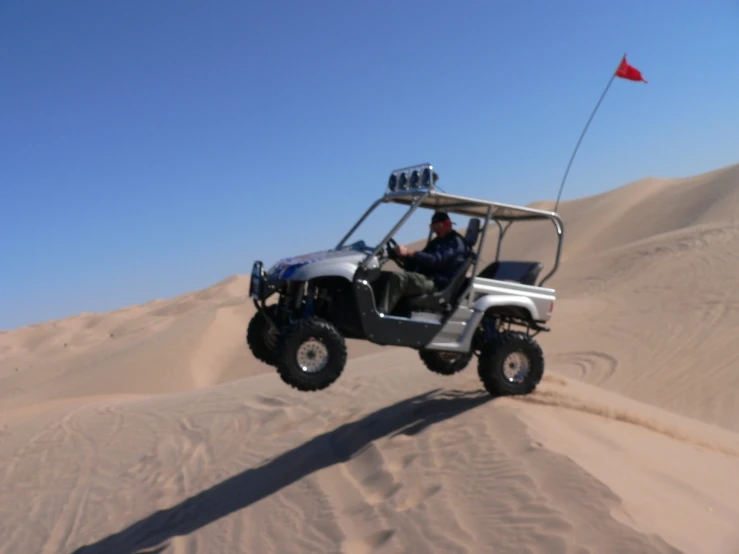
{"x":261,"y":336}
{"x":511,"y":364}
{"x":312,"y":354}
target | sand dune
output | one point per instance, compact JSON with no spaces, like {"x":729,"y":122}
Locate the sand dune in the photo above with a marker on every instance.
{"x":153,"y":429}
{"x":651,"y":314}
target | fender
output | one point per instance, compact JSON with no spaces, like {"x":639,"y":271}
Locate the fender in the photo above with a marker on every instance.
{"x":488,"y":301}
{"x":308,"y":272}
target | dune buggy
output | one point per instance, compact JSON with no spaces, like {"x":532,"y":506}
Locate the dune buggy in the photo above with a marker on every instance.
{"x":492,"y":312}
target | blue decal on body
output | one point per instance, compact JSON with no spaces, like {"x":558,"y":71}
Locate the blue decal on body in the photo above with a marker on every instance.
{"x":286,"y":267}
{"x":289,"y":270}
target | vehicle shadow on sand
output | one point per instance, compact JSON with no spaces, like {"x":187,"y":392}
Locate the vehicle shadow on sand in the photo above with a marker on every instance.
{"x":409,"y":417}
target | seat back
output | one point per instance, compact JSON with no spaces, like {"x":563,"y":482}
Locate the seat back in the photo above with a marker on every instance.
{"x":455,"y":282}
{"x":451,"y":291}
{"x":473,"y":232}
{"x":523,"y":272}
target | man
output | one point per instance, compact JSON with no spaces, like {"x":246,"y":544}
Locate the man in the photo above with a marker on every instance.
{"x":428,"y":270}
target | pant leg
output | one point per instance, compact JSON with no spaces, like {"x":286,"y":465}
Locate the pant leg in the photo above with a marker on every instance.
{"x":418,"y":284}
{"x":400,"y":284}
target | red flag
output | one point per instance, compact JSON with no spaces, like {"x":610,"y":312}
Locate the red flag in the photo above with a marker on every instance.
{"x":626,"y":71}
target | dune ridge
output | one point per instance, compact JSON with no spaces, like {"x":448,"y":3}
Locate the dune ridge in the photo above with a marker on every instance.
{"x":152,"y":428}
{"x":559,"y":400}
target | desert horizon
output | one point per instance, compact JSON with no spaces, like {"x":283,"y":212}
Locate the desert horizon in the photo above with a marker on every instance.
{"x":152,"y":428}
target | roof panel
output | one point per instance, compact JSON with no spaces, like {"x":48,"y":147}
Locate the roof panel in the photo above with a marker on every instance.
{"x":468,"y":206}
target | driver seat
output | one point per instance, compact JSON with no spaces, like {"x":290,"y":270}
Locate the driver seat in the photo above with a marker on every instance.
{"x":442,"y":300}
{"x":473,"y":232}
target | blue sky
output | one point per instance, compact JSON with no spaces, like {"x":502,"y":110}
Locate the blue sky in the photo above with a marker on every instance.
{"x":153,"y":148}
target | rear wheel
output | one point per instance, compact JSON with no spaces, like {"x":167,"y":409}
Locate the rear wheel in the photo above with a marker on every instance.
{"x":445,"y":363}
{"x":312,"y":354}
{"x":262,"y":337}
{"x":511,"y":364}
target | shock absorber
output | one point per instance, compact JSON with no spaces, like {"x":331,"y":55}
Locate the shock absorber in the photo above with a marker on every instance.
{"x":310,"y":297}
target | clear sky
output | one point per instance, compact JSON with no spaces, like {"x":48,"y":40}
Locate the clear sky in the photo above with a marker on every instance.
{"x":153,"y":148}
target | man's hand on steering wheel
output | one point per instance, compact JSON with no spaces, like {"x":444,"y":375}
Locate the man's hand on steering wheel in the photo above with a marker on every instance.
{"x":397,"y":252}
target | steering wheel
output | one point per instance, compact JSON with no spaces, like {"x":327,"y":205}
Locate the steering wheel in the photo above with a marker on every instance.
{"x":391,"y":244}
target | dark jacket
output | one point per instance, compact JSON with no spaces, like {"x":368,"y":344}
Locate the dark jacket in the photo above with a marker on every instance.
{"x":441,"y":258}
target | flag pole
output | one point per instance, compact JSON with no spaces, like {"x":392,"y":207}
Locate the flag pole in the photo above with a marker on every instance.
{"x":582,"y":135}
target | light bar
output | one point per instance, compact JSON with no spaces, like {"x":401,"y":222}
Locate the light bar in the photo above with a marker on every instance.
{"x":414,"y":178}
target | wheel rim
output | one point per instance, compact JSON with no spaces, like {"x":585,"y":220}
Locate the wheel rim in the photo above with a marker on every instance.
{"x":449,"y":356}
{"x":516,"y":367}
{"x":312,"y":356}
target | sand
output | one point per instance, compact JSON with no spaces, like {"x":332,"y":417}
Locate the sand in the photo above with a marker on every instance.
{"x":153,"y":429}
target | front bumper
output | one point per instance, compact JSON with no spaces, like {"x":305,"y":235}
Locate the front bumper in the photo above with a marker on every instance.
{"x":258,"y":282}
{"x":261,"y":286}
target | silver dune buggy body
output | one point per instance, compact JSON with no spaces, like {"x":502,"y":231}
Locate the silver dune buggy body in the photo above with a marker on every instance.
{"x":324,"y":297}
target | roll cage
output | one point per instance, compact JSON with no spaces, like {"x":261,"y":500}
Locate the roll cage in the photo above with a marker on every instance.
{"x":422,"y":193}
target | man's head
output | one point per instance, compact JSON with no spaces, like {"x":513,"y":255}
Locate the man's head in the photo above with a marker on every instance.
{"x":441,"y":224}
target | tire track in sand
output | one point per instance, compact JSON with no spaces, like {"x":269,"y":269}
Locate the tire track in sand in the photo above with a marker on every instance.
{"x":559,"y":399}
{"x":590,"y":366}
{"x":76,"y":440}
